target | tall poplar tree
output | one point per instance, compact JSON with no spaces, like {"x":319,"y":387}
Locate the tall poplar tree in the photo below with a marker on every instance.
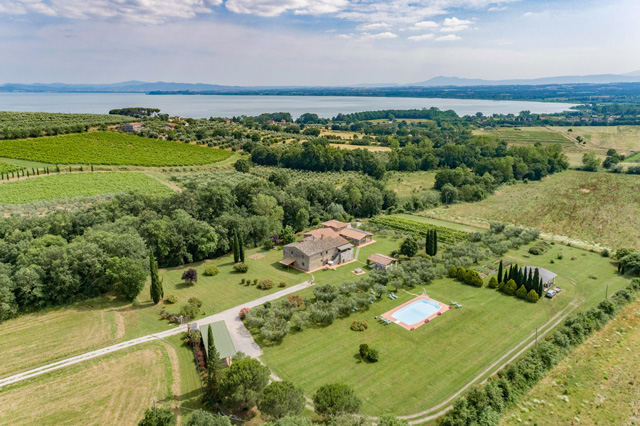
{"x":212,"y":395}
{"x":435,"y":242}
{"x":156,"y":286}
{"x":500,"y":272}
{"x":236,"y":248}
{"x":241,"y":248}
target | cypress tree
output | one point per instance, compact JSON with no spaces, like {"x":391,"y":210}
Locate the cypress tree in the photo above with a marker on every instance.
{"x":92,"y":167}
{"x":236,"y":248}
{"x":212,"y":395}
{"x":241,"y":248}
{"x":435,"y":242}
{"x":156,"y":286}
{"x":528,"y":280}
{"x":500,"y":272}
{"x":427,"y":243}
{"x":535,"y":279}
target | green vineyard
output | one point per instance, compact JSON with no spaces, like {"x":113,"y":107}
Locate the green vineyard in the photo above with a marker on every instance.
{"x":110,"y":148}
{"x":445,"y":235}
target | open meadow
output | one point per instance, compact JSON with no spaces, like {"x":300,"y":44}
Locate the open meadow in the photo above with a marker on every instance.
{"x":595,"y":207}
{"x":601,"y":138}
{"x":71,"y":185}
{"x":110,"y":148}
{"x":596,"y":385}
{"x":420,"y":368}
{"x":114,"y":389}
{"x":408,"y":183}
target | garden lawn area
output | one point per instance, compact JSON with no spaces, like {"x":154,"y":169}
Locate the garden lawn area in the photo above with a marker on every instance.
{"x":71,"y":185}
{"x":110,"y":148}
{"x":596,"y":384}
{"x":418,"y":369}
{"x":599,"y":207}
{"x":114,"y":389}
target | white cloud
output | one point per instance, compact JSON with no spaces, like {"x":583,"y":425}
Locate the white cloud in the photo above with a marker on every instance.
{"x":423,"y":25}
{"x":378,"y":36}
{"x":375,"y":26}
{"x":278,"y":7}
{"x":421,"y":37}
{"x":453,"y":25}
{"x":132,"y":11}
{"x":528,"y":14}
{"x":450,"y":37}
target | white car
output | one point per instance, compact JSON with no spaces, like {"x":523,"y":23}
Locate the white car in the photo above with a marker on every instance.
{"x":551,"y":294}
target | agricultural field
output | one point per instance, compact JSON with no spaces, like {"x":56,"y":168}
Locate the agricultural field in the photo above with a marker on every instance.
{"x":115,"y":389}
{"x":409,"y":183}
{"x":601,"y":138}
{"x":421,"y":368}
{"x":596,"y":385}
{"x":420,"y":227}
{"x":8,"y":167}
{"x":527,"y":135}
{"x":16,"y":125}
{"x":372,"y":148}
{"x":594,"y":207}
{"x":70,"y":185}
{"x":110,"y":148}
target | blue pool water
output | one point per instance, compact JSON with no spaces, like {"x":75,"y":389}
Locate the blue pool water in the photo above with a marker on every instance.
{"x":416,"y":312}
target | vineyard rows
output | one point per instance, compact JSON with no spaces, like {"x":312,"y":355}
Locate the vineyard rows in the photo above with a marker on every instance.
{"x":445,"y":235}
{"x":110,"y":148}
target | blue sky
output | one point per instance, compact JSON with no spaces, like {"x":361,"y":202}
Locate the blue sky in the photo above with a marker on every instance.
{"x":313,"y":42}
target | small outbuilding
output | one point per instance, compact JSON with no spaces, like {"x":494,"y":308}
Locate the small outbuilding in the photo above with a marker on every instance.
{"x":380,"y":261}
{"x":548,"y":277}
{"x":221,"y":339}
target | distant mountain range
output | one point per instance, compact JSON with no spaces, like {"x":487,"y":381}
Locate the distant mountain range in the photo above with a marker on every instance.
{"x":441,"y":81}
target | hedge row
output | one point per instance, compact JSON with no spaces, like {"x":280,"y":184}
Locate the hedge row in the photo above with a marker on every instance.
{"x":484,"y":405}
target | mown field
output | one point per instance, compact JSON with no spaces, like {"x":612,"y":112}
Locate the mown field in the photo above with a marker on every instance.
{"x":596,"y":385}
{"x":110,"y":148}
{"x":70,"y":185}
{"x":598,"y":207}
{"x":115,"y":389}
{"x":408,"y":183}
{"x":420,"y":368}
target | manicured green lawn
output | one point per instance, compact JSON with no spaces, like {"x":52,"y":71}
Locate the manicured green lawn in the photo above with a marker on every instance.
{"x":70,"y":185}
{"x":421,"y":368}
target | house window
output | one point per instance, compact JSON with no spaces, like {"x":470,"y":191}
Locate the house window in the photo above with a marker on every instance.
{"x":302,"y":263}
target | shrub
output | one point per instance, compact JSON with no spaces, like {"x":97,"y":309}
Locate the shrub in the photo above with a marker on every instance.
{"x":453,"y":272}
{"x":364,"y":350}
{"x":265,"y":284}
{"x":510,"y":287}
{"x":242,"y":281}
{"x":255,"y":282}
{"x":521,"y":293}
{"x":171,"y":299}
{"x":373,"y":355}
{"x":493,"y":282}
{"x":241,"y":268}
{"x":211,"y":271}
{"x":532,"y":296}
{"x":190,"y":276}
{"x":282,"y":284}
{"x":268,"y":245}
{"x":243,"y":313}
{"x":461,"y":274}
{"x":297,"y":299}
{"x":359,"y":325}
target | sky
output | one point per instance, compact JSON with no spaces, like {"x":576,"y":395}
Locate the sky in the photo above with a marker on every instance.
{"x":313,"y":42}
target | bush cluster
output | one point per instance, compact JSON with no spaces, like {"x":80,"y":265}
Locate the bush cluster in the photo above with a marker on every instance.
{"x":359,"y":325}
{"x":211,"y":271}
{"x":241,"y":268}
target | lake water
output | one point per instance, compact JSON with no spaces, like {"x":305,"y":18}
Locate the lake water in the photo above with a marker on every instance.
{"x":204,"y":106}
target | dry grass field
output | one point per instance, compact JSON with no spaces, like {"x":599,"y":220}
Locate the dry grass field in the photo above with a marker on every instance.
{"x":373,"y":148}
{"x":602,"y":138}
{"x":594,"y":207}
{"x":114,"y":390}
{"x":406,"y":183}
{"x":31,"y":340}
{"x":596,"y":385}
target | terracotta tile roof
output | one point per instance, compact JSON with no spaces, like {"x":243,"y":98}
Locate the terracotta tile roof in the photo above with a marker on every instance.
{"x":335,"y":224}
{"x":355,"y":234}
{"x":321,"y":232}
{"x":382,"y":259}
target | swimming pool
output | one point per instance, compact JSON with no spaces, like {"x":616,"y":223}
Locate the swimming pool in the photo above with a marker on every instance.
{"x":416,"y":312}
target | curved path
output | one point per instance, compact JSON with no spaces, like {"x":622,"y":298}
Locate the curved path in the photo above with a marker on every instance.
{"x":239,"y":334}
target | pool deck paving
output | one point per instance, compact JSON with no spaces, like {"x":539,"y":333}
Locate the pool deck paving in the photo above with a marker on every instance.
{"x":389,"y":315}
